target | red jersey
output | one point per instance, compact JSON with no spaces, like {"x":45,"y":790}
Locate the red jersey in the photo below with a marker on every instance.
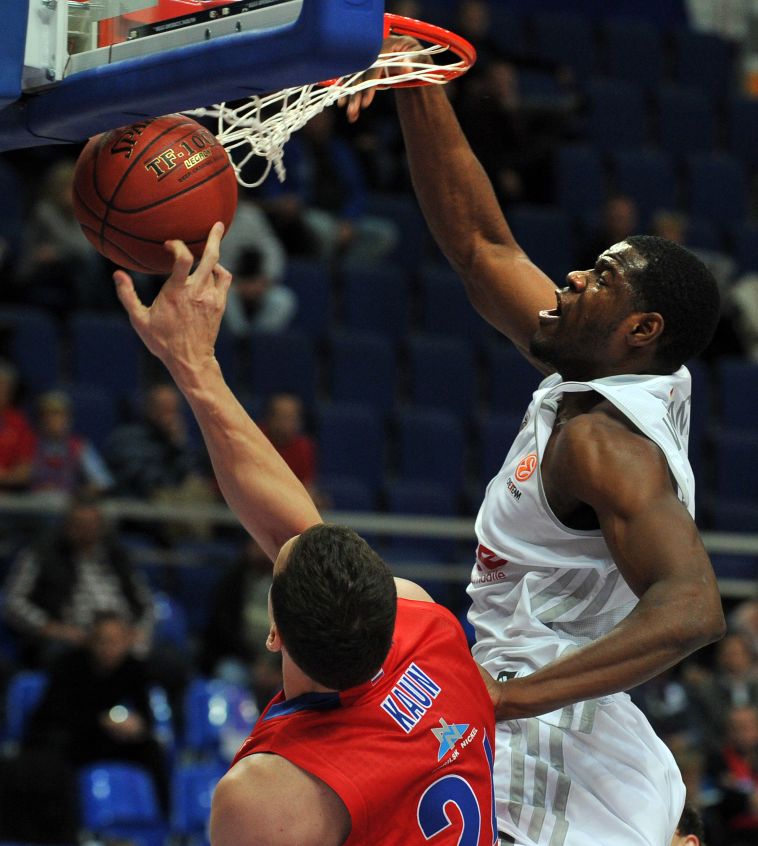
{"x":410,"y":753}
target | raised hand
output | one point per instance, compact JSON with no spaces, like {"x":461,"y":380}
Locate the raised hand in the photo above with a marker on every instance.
{"x":181,"y":325}
{"x":355,"y":104}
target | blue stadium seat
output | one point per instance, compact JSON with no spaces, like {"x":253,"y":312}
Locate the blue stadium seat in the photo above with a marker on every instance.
{"x":362,"y":368}
{"x":376,"y":300}
{"x":704,"y":60}
{"x":350,"y":441}
{"x":687,"y":120}
{"x":742,"y":129}
{"x":105,"y":353}
{"x":191,"y":793}
{"x":508,"y":29}
{"x":617,"y":116}
{"x":511,"y":379}
{"x":348,"y":493}
{"x":431,"y":447}
{"x":311,"y":281}
{"x":704,"y":233}
{"x":494,"y":434}
{"x":648,"y":177}
{"x":406,"y":496}
{"x":735,"y":459}
{"x":545,"y":234}
{"x":171,"y":625}
{"x":565,"y":38}
{"x":442,"y":373}
{"x":730,"y":515}
{"x":581,"y":180}
{"x":94,"y":413}
{"x":743,"y":568}
{"x":445,"y":307}
{"x":23,"y":693}
{"x":13,"y":210}
{"x":283,"y":361}
{"x":745,"y":241}
{"x":29,"y":337}
{"x":217,"y":717}
{"x":414,"y":235}
{"x":738,"y":398}
{"x":633,"y":51}
{"x":718,"y":188}
{"x":119,"y":800}
{"x":700,"y":416}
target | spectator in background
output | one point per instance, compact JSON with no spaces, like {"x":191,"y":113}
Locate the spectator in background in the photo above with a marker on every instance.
{"x":744,"y":619}
{"x":16,"y":435}
{"x":64,"y":462}
{"x":59,"y":269}
{"x":239,"y":625}
{"x":320,"y":209}
{"x":675,"y":226}
{"x":258,"y":301}
{"x":619,"y":220}
{"x":57,"y":587}
{"x":154,"y":458}
{"x":665,"y":701}
{"x":743,"y":297}
{"x":735,"y":769}
{"x":514,"y":147}
{"x":733,"y":683}
{"x":283,"y":425}
{"x":96,"y":706}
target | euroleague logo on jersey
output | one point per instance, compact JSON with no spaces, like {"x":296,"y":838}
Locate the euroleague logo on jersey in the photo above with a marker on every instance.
{"x":526,"y":467}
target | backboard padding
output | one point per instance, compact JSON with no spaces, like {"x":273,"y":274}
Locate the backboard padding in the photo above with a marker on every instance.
{"x":330,"y":38}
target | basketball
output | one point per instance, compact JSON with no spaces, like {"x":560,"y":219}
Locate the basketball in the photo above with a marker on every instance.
{"x":141,"y":185}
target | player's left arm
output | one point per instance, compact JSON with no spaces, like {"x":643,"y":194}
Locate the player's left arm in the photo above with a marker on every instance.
{"x":180,"y":328}
{"x":625,"y":479}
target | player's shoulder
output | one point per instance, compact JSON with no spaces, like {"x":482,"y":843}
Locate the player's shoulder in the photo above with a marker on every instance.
{"x":253,"y":806}
{"x":605,"y":431}
{"x":603,"y":447}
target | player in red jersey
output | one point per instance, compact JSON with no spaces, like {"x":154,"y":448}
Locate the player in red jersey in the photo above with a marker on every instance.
{"x":383,"y":731}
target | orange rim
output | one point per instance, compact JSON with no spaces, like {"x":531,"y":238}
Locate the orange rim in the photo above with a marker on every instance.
{"x":431,"y":34}
{"x":400,"y":25}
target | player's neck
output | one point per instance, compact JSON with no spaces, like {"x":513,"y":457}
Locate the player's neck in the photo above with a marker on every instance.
{"x":296,"y":682}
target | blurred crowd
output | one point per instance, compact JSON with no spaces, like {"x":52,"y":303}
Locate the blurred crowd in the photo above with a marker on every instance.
{"x":79,"y":608}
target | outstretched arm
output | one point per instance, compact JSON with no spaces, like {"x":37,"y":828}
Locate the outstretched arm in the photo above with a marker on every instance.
{"x":180,"y":328}
{"x":464,"y":216}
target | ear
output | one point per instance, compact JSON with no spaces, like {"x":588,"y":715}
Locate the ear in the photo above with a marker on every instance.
{"x":644,"y":328}
{"x":273,"y":641}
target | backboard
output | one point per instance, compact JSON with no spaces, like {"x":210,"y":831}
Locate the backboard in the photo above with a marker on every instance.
{"x":72,"y":68}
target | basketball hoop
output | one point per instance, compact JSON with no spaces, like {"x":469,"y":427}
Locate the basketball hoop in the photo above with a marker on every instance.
{"x":263,"y":125}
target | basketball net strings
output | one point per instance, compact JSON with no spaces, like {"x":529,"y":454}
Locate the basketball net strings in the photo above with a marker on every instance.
{"x":263,"y":125}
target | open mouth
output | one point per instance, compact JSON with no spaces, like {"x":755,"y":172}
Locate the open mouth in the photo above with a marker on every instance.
{"x":547,"y":315}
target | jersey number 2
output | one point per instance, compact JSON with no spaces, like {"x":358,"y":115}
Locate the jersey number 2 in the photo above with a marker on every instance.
{"x":432,"y":814}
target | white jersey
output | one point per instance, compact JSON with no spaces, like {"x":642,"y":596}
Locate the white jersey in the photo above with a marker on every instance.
{"x":538,"y":589}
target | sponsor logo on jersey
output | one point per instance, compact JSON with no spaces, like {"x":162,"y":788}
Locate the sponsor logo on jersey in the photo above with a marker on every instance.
{"x":411,"y":697}
{"x":526,"y":467}
{"x":448,"y":735}
{"x":489,"y":559}
{"x":488,"y":563}
{"x":513,"y":490}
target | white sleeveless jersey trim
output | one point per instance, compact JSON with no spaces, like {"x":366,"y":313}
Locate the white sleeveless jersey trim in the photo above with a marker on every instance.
{"x":539,"y":587}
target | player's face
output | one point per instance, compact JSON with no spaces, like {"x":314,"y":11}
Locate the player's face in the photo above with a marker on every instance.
{"x":582,"y":338}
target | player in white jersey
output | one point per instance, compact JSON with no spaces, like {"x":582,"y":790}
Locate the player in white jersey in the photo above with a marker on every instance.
{"x":590,"y":576}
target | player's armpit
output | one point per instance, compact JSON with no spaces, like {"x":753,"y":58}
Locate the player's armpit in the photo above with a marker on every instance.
{"x":254,"y":805}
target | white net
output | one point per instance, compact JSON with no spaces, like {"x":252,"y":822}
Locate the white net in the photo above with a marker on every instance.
{"x":263,"y":125}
